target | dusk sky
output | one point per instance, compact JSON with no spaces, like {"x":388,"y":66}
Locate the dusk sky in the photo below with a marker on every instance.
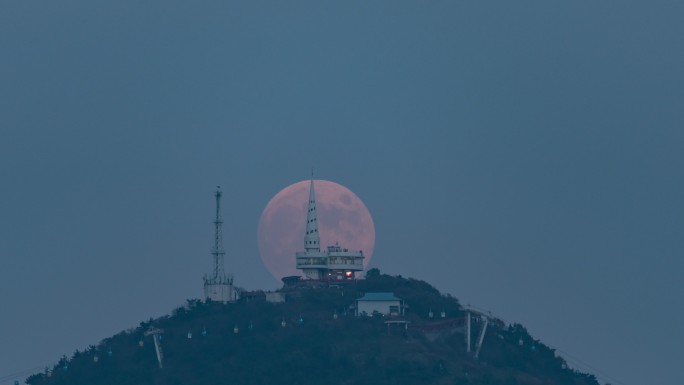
{"x":524,"y":156}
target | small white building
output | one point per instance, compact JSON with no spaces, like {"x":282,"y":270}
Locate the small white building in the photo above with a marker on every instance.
{"x":220,"y":289}
{"x":386,"y":304}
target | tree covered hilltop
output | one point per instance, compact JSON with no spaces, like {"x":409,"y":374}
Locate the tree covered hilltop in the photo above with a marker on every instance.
{"x":315,"y":337}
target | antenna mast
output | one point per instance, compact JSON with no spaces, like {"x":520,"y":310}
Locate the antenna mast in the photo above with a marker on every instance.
{"x":218,"y":252}
{"x":218,"y":286}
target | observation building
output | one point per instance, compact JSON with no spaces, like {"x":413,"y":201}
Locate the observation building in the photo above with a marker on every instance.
{"x":333,"y":264}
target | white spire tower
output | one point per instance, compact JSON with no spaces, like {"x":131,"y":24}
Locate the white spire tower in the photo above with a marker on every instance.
{"x":312,"y":242}
{"x":219,"y":286}
{"x":332,"y":264}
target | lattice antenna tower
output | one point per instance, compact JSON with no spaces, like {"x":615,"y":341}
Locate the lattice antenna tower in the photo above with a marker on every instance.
{"x":218,"y":286}
{"x":217,"y":251}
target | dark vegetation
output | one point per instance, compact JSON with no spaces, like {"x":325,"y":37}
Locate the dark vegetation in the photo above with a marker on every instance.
{"x":314,"y":346}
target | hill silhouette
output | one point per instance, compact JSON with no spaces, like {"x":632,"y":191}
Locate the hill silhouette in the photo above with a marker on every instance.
{"x":314,"y":338}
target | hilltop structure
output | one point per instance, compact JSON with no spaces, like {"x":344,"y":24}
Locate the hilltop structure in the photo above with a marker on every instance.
{"x":257,"y":342}
{"x":335,"y":263}
{"x":384,"y":303}
{"x":219,"y":286}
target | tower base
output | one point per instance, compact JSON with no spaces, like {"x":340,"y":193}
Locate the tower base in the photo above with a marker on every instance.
{"x":220,"y":290}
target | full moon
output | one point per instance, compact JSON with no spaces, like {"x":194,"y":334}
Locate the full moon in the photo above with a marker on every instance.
{"x":342,"y":219}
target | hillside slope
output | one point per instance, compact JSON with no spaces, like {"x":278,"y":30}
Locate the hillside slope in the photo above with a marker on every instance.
{"x":314,"y":338}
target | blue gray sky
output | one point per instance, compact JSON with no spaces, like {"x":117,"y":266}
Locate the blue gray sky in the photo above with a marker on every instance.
{"x":524,"y":156}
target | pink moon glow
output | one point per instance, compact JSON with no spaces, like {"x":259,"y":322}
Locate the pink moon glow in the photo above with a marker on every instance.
{"x":342,"y":218}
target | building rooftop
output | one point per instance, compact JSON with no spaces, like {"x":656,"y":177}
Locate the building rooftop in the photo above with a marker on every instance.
{"x":379,"y":297}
